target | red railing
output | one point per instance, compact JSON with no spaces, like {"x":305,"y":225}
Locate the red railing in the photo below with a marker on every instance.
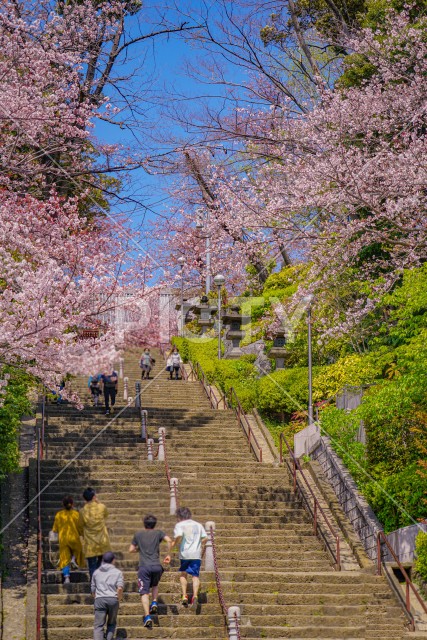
{"x":168,"y":471}
{"x":314,"y":511}
{"x":198,"y":374}
{"x":234,"y":403}
{"x":409,"y":585}
{"x":220,"y":592}
{"x":40,"y":452}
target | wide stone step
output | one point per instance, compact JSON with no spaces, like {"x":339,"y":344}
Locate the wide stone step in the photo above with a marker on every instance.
{"x":314,"y":631}
{"x":178,"y":620}
{"x":281,"y":511}
{"x":169,"y":604}
{"x":238,"y":592}
{"x":186,"y":620}
{"x":196,"y":633}
{"x":138,"y":499}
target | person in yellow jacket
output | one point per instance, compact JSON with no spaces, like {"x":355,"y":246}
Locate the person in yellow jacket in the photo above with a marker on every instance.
{"x":66,"y":525}
{"x":92,"y":524}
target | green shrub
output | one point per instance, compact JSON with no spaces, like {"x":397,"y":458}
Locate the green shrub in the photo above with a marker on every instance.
{"x":239,"y":374}
{"x":225,"y":371}
{"x":351,"y":370}
{"x":389,"y":411}
{"x":398,"y":499}
{"x":283,"y":392}
{"x":246,"y":392}
{"x":342,"y":427}
{"x":16,"y":404}
{"x":421,"y":555}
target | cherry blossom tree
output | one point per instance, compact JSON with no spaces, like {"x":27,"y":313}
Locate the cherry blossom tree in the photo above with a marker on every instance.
{"x":344,"y":183}
{"x":62,"y":267}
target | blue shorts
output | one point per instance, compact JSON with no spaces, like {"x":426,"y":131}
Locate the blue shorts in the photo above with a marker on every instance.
{"x":192,"y":567}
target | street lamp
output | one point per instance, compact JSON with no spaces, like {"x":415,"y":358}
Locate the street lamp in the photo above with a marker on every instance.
{"x":309,"y":299}
{"x":181,"y":262}
{"x":219,"y":282}
{"x":202,"y":221}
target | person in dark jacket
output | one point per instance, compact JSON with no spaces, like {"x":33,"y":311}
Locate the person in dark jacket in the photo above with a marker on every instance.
{"x":110,"y":380}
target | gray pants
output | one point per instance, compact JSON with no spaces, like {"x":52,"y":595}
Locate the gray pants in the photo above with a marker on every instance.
{"x":106,"y":609}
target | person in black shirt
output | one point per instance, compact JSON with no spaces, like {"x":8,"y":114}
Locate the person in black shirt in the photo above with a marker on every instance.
{"x":147,"y":542}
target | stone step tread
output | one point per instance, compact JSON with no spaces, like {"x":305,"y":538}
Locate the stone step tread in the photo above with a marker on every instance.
{"x":181,"y":618}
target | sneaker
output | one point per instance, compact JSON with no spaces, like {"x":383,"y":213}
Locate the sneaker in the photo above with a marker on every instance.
{"x":67,"y":580}
{"x":107,"y":413}
{"x":153,"y":608}
{"x":74,"y":563}
{"x":194,"y":601}
{"x":147,"y":622}
{"x":184,"y":601}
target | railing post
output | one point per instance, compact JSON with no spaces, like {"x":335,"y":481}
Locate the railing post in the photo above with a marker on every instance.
{"x":338,"y":554}
{"x":315,"y":518}
{"x":144,"y":417}
{"x":120,"y":367}
{"x":162,"y":436}
{"x":209,"y":557}
{"x":294,"y":474}
{"x":173,"y":492}
{"x":138,"y":395}
{"x":125,"y":388}
{"x":150,"y":444}
{"x":378,"y":555}
{"x":233,"y":615}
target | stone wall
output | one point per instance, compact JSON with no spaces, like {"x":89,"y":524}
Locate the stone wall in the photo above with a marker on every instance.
{"x":403,"y":541}
{"x":358,"y":511}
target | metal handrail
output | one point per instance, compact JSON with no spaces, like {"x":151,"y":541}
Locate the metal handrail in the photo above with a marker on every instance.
{"x":184,"y":374}
{"x":317,"y":509}
{"x":199,"y":374}
{"x":40,"y":453}
{"x":382,"y":539}
{"x":144,"y":423}
{"x":220,"y":592}
{"x":168,"y":473}
{"x":237,"y":622}
{"x":242,"y":418}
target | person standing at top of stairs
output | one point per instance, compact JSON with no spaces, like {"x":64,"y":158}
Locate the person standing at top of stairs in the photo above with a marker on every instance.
{"x":146,"y":363}
{"x":174,"y":363}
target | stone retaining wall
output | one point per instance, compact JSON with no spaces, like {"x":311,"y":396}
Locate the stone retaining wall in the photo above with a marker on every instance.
{"x":358,"y":511}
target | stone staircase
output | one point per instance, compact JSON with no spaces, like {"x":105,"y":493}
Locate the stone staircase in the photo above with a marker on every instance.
{"x":270,"y":563}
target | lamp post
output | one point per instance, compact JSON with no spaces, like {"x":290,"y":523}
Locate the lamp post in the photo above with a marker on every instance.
{"x":219,"y":282}
{"x":202,"y":221}
{"x":181,"y":262}
{"x":310,"y":362}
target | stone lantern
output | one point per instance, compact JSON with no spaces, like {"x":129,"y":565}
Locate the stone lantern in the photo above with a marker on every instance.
{"x":234,"y":319}
{"x":205,"y":312}
{"x":278,"y":351}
